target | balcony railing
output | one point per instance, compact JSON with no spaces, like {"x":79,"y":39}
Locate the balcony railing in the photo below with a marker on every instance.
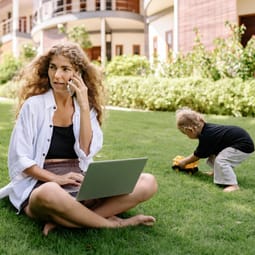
{"x":131,"y":6}
{"x":6,"y":26}
{"x":62,"y":7}
{"x":56,"y":8}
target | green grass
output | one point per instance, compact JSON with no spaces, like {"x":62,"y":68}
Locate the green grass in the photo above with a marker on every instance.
{"x":193,"y":215}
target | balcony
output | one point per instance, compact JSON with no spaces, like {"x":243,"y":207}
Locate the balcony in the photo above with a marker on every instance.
{"x":23,"y":30}
{"x":56,"y":8}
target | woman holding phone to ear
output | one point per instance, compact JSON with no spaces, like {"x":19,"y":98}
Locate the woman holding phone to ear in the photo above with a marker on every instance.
{"x":56,"y":135}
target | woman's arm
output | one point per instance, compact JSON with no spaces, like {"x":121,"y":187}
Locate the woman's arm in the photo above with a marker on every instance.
{"x":46,"y":176}
{"x":81,"y":91}
{"x":85,"y":130}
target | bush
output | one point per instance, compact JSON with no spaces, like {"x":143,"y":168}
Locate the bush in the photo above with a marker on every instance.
{"x":228,"y":59}
{"x":8,"y":68}
{"x":225,"y":97}
{"x":28,"y":52}
{"x":128,"y":65}
{"x":10,"y":89}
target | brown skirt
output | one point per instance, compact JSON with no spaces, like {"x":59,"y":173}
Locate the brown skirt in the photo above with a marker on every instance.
{"x":64,"y":167}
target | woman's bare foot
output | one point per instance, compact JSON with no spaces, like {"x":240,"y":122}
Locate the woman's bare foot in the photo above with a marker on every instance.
{"x":133,"y":221}
{"x":48,"y":227}
{"x":117,"y":222}
{"x":231,"y":188}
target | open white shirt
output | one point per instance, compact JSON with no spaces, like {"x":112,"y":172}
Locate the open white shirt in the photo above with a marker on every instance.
{"x":30,"y":141}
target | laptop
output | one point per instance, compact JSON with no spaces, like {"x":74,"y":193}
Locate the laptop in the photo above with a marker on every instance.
{"x":110,"y":178}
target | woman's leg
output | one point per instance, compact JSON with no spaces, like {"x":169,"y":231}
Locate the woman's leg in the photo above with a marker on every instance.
{"x":51,"y":203}
{"x":145,"y":188}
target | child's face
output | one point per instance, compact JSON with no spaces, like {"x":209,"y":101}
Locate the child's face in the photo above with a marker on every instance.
{"x":190,"y":132}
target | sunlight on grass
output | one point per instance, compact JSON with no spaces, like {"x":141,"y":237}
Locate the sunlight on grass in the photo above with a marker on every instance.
{"x":242,"y":208}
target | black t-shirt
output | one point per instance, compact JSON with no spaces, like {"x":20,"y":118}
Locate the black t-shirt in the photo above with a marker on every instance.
{"x":214,"y":138}
{"x":62,"y":143}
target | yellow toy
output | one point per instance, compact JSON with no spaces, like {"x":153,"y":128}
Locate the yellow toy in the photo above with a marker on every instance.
{"x":189,"y":168}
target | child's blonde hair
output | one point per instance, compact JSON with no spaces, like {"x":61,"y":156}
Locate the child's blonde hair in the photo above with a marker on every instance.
{"x":187,"y":118}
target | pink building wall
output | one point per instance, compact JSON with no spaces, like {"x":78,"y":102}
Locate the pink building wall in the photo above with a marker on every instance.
{"x":208,"y":16}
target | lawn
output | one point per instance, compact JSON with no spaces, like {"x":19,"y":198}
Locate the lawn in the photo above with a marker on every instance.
{"x":193,"y":215}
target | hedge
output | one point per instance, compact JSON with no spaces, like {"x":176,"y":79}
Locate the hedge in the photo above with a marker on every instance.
{"x":225,"y":97}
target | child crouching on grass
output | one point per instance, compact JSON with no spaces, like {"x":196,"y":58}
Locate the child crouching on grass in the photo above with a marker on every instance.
{"x":224,"y":146}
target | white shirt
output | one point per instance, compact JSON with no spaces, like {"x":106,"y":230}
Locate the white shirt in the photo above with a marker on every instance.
{"x":30,"y":141}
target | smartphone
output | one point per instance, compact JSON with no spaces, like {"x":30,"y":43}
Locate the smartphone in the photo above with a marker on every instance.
{"x":69,"y":88}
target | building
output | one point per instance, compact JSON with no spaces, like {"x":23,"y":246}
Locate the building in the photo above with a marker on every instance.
{"x":115,"y":27}
{"x":170,"y":24}
{"x":146,"y":27}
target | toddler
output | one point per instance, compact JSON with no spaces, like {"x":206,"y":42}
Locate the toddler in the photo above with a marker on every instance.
{"x":224,"y":146}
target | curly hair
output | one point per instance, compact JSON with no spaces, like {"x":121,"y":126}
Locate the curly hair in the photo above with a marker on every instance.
{"x":35,"y":76}
{"x":188,"y":118}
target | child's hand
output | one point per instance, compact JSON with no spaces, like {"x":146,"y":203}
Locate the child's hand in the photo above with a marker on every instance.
{"x":182,"y":163}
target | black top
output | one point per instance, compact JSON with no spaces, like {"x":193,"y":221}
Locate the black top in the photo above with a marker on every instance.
{"x":214,"y":138}
{"x":62,"y":143}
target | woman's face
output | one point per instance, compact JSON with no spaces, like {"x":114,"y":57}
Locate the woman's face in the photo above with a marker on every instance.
{"x":60,"y":72}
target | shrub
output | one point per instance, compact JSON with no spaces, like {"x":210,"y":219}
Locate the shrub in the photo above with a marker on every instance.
{"x":77,"y":34}
{"x":10,"y":89}
{"x":128,"y":65}
{"x":28,"y":52}
{"x":225,"y":97}
{"x":228,"y":59}
{"x":8,"y":68}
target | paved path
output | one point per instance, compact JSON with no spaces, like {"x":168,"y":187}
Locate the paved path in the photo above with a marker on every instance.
{"x":4,"y":99}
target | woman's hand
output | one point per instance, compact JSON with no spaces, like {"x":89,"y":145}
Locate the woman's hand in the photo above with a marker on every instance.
{"x":79,"y":87}
{"x":46,"y":176}
{"x":71,"y":178}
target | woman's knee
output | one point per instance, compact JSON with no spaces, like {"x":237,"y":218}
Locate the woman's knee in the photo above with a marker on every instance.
{"x":45,"y":195}
{"x":147,"y":185}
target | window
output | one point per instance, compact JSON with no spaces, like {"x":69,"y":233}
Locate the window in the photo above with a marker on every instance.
{"x":169,"y":41}
{"x":108,"y":5}
{"x":30,"y":22}
{"x":63,"y":6}
{"x":83,"y":5}
{"x":68,"y":6}
{"x":136,"y":49}
{"x":119,"y":50}
{"x":248,"y":21}
{"x":109,"y":50}
{"x":60,"y":4}
{"x":7,"y":24}
{"x":97,"y":5}
{"x":23,"y":24}
{"x":155,"y":46}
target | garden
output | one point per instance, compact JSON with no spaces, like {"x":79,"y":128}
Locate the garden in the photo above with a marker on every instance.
{"x":193,"y":216}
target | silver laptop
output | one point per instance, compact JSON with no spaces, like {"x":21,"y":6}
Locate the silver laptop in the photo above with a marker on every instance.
{"x":110,"y":178}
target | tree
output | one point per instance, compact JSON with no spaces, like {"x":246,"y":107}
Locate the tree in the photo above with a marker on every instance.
{"x":77,"y":34}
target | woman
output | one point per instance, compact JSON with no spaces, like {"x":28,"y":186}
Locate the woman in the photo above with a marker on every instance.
{"x":56,"y":135}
